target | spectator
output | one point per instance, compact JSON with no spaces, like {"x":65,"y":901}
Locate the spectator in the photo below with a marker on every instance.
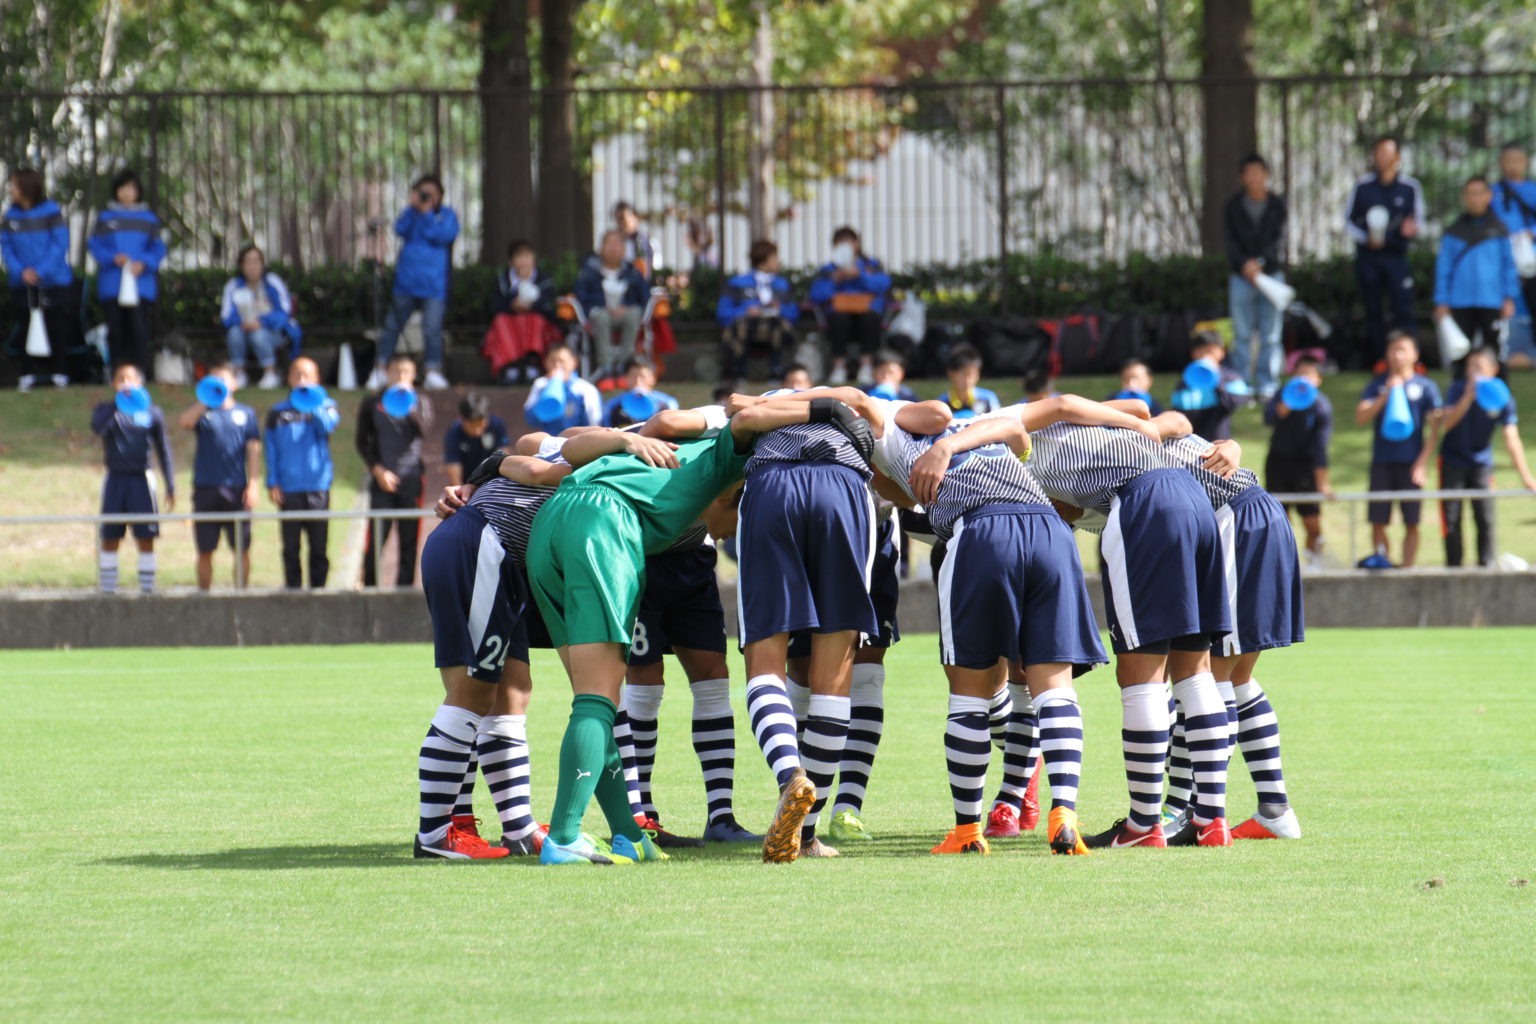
{"x":1136,"y":382}
{"x":34,"y":241}
{"x":523,"y":317}
{"x":701,"y":243}
{"x":1255,"y":226}
{"x":299,"y":473}
{"x":257,"y":314}
{"x":391,"y":449}
{"x":126,"y":240}
{"x":890,"y":378}
{"x":427,"y":228}
{"x":1038,"y":384}
{"x":225,"y":467}
{"x":613,"y":292}
{"x":1475,"y":280}
{"x":1466,"y":454}
{"x":475,"y":435}
{"x":851,"y":291}
{"x":964,"y":372}
{"x":1515,"y":203}
{"x":640,"y":250}
{"x":797,"y":378}
{"x":127,"y":440}
{"x":1210,"y":412}
{"x":640,"y":380}
{"x":1381,"y":255}
{"x":583,"y":406}
{"x":1399,"y":465}
{"x":757,"y":310}
{"x":1297,"y":462}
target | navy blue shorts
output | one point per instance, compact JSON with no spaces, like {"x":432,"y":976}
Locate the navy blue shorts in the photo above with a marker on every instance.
{"x":884,"y":593}
{"x":474,"y":595}
{"x":1011,"y":586}
{"x":680,"y":606}
{"x":804,"y":544}
{"x":1163,"y":575}
{"x":219,"y":499}
{"x":1263,"y":576}
{"x":128,"y":494}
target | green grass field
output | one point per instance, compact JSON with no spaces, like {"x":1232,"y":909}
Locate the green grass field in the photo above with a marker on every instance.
{"x":225,"y":835}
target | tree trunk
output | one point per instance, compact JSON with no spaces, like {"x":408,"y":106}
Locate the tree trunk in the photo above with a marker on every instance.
{"x":1231,"y":109}
{"x":565,"y":207}
{"x":506,"y":118}
{"x":761,"y":212}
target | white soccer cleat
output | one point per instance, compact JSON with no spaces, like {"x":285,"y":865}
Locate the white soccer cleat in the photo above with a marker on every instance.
{"x":1259,"y":827}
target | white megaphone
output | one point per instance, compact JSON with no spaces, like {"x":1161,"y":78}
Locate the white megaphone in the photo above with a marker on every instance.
{"x":1454,"y":344}
{"x":1525,"y":253}
{"x":37,"y":336}
{"x":1376,"y":220}
{"x":1280,"y":294}
{"x":346,"y":369}
{"x":128,"y":289}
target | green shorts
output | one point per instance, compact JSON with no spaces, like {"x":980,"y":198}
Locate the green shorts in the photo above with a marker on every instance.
{"x":586,"y":566}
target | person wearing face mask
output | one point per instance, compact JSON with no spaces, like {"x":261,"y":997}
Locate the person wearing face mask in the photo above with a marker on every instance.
{"x":125,"y":243}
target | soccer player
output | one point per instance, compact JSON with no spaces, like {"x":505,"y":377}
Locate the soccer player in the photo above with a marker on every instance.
{"x":1466,"y":454}
{"x":299,"y":473}
{"x":1399,"y":465}
{"x":964,"y":397}
{"x":1265,"y":604}
{"x":585,"y":566}
{"x":475,"y":434}
{"x":225,"y":469}
{"x":126,"y":441}
{"x":1165,"y":598}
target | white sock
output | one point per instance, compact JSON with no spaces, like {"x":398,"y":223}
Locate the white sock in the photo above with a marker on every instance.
{"x":799,"y":698}
{"x":107,"y":571}
{"x":1144,"y":746}
{"x":1206,"y":736}
{"x":643,"y":702}
{"x":146,"y":571}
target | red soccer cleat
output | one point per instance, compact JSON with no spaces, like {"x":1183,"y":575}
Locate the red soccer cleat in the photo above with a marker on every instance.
{"x":467,"y":823}
{"x":664,"y":839}
{"x":1002,"y":823}
{"x":459,"y":845}
{"x":1214,"y":834}
{"x":1031,"y":814}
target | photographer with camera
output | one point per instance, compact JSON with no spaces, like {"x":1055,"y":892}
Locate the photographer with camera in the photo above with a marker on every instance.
{"x":428,"y":228}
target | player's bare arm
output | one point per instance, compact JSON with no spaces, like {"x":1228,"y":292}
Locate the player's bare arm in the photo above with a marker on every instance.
{"x":1172,"y":425}
{"x":929,"y":469}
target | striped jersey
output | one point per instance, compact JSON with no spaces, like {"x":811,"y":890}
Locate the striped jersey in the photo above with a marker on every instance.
{"x":1187,"y":452}
{"x":807,"y":442}
{"x":1087,"y":466}
{"x":509,"y":508}
{"x":982,"y":476}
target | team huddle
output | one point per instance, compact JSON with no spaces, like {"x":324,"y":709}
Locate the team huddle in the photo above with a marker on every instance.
{"x":598,"y":545}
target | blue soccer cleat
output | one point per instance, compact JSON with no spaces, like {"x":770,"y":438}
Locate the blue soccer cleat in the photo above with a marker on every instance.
{"x":645,"y":850}
{"x":584,"y":850}
{"x":727,"y":829}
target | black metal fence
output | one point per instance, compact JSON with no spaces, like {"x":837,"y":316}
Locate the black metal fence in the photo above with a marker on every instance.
{"x":931,"y":173}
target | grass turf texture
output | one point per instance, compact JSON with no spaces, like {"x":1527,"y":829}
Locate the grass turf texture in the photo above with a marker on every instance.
{"x":225,"y":834}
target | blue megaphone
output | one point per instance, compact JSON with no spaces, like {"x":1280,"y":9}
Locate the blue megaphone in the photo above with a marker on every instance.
{"x":885,"y":391}
{"x":1190,"y":399}
{"x":399,"y":400}
{"x":307,"y":397}
{"x":551,"y":403}
{"x":131,"y":401}
{"x":1492,"y":395}
{"x":637,"y":405}
{"x":1397,"y":418}
{"x":212,"y":391}
{"x":1132,"y":393}
{"x":1202,"y":375}
{"x":965,"y":414}
{"x":1299,"y":393}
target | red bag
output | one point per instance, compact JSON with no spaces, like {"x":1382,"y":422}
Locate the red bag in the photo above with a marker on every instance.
{"x":513,"y":337}
{"x":662,"y":338}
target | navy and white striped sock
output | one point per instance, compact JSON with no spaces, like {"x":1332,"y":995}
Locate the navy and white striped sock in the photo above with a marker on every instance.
{"x":1021,"y":746}
{"x":714,"y":741}
{"x":464,"y":806}
{"x":624,"y":739}
{"x":1061,"y":741}
{"x":821,"y":750}
{"x":773,"y":723}
{"x":999,"y":710}
{"x":866,"y":723}
{"x":445,"y":753}
{"x":502,"y":744}
{"x":146,"y":572}
{"x":967,"y":749}
{"x":642,"y":705}
{"x":1205,"y":733}
{"x":1229,"y":700}
{"x":1144,"y":745}
{"x":106,"y":571}
{"x":1258,"y":736}
{"x":1181,"y":779}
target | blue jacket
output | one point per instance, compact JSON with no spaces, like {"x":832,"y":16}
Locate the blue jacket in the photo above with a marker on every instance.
{"x":1515,"y":203}
{"x":871,"y":281}
{"x":1403,"y":199}
{"x":133,"y":231}
{"x":298,"y":446}
{"x":589,"y":285}
{"x":740,"y":294}
{"x":279,"y":319}
{"x":1475,"y":267}
{"x":37,"y":239}
{"x":422,"y":271}
{"x":583,"y":406}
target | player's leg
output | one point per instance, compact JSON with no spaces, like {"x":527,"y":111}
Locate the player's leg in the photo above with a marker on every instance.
{"x":111,"y":533}
{"x":714,"y":739}
{"x":967,"y":749}
{"x":826,"y":727}
{"x":640,"y":707}
{"x":1258,"y":737}
{"x":502,"y":745}
{"x":106,"y":563}
{"x":441,"y":765}
{"x":1015,"y":722}
{"x":147,"y":565}
{"x":773,"y":724}
{"x":866,"y":724}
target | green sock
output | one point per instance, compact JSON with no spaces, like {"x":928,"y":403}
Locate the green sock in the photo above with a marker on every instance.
{"x":613,"y":795}
{"x":583,"y":754}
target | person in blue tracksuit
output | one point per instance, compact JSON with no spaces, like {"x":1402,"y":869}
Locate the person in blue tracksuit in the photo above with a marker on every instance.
{"x":427,"y":228}
{"x":256,"y":310}
{"x":126,"y":240}
{"x":1475,"y":280}
{"x":298,"y":446}
{"x":852,"y":291}
{"x":756,"y":309}
{"x":1381,"y":263}
{"x":34,"y":242}
{"x":1514,"y":200}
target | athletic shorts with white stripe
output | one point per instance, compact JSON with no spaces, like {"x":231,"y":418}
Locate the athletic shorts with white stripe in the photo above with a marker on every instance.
{"x":1163,"y":573}
{"x":805,"y":545}
{"x":1263,"y":577}
{"x":474,"y":596}
{"x":1011,"y":586}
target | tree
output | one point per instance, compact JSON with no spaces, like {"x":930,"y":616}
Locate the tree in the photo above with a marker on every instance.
{"x":506,"y":111}
{"x":565,"y":198}
{"x":1230,"y":128}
